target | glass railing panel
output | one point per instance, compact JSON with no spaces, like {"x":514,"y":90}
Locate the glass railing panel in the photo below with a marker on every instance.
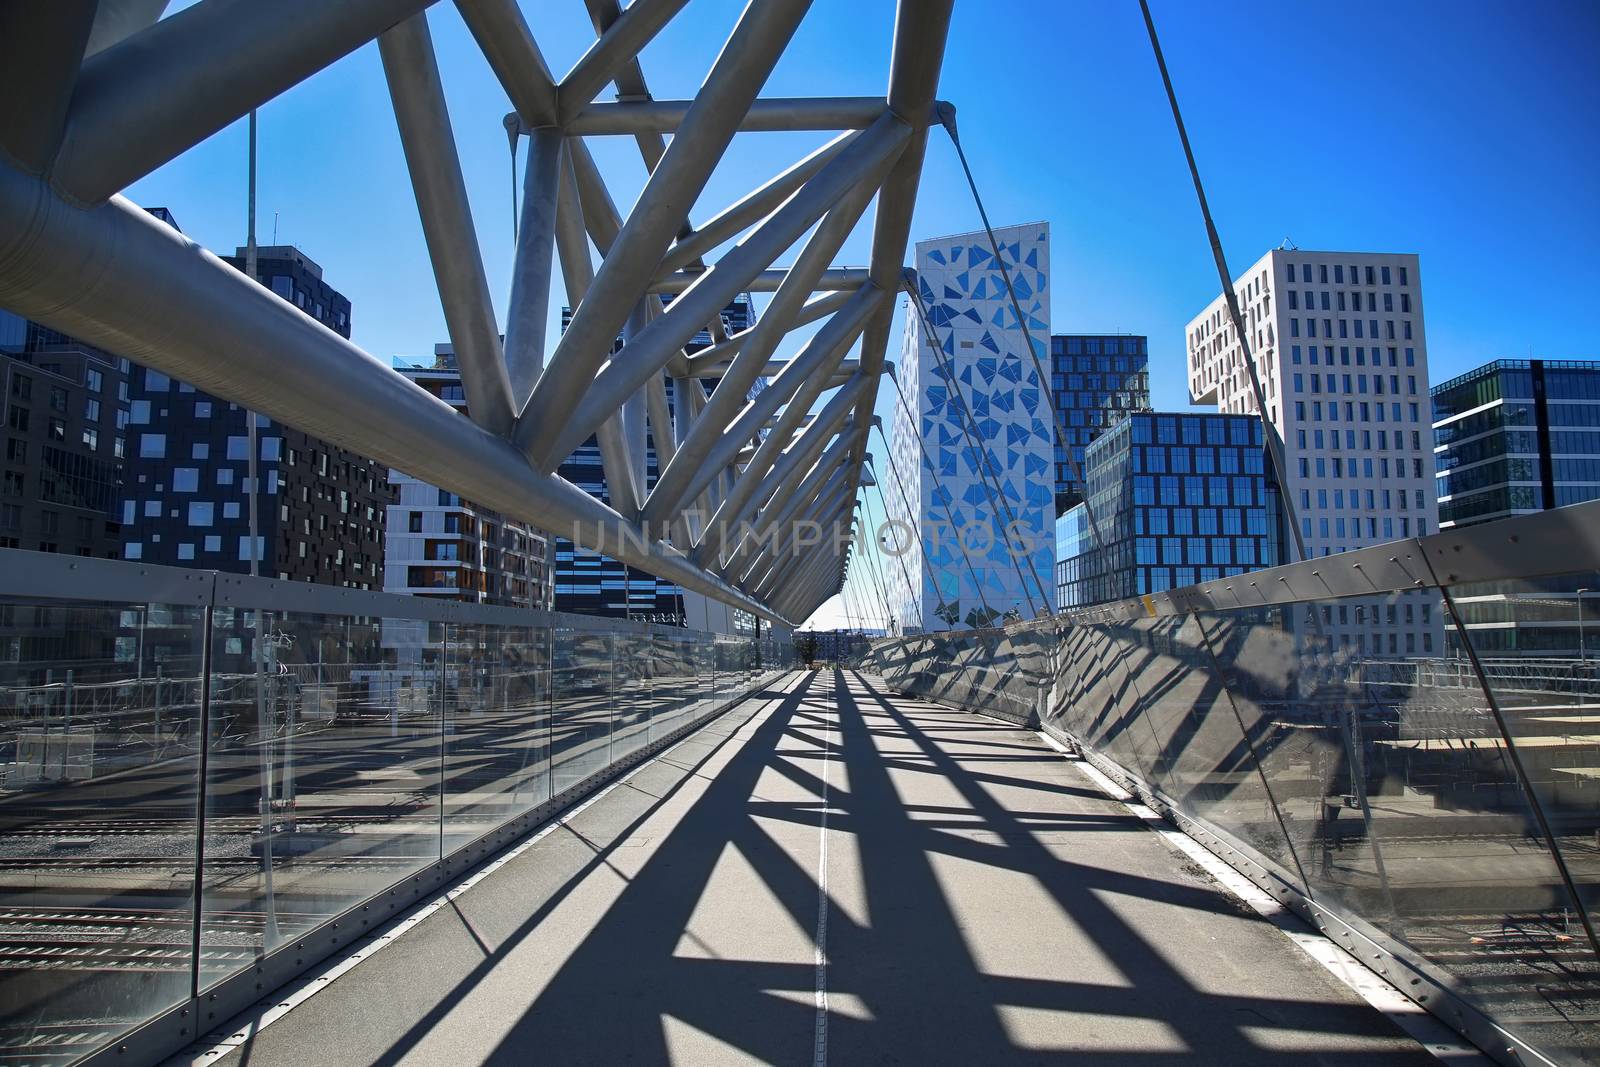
{"x":634,"y":654}
{"x":497,"y":727}
{"x":323,"y":772}
{"x":677,"y":682}
{"x":1098,"y":699}
{"x":99,"y":741}
{"x":1398,"y":797}
{"x":1534,"y":647}
{"x":583,"y":684}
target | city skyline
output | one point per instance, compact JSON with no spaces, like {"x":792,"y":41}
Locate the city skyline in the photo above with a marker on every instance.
{"x":1134,"y":257}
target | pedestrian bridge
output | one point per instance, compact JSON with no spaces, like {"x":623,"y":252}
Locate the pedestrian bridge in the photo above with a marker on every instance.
{"x":252,"y":821}
{"x":830,"y":872}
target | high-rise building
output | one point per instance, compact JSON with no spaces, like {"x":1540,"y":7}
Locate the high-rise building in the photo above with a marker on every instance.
{"x":1340,"y":351}
{"x":1095,"y":380}
{"x":65,"y":409}
{"x":440,"y":545}
{"x":984,"y":503}
{"x":1516,"y":436}
{"x":1177,"y":498}
{"x":187,"y":496}
{"x":590,"y":583}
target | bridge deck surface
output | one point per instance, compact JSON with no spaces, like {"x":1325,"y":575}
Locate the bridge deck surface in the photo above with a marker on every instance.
{"x":982,"y":902}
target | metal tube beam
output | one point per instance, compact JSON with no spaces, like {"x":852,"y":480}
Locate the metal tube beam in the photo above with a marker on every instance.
{"x":834,"y":280}
{"x":775,"y":367}
{"x":529,"y":308}
{"x":599,"y":210}
{"x":116,"y":277}
{"x":819,"y":481}
{"x":712,"y":443}
{"x":632,"y":366}
{"x":41,"y":50}
{"x":797,"y":580}
{"x":441,"y":194}
{"x":717,"y":435}
{"x":751,"y":52}
{"x":824,"y":513}
{"x":770,"y":458}
{"x":752,"y":208}
{"x":503,"y":36}
{"x":164,"y":90}
{"x":712,"y":361}
{"x":920,"y":32}
{"x":662,"y":433}
{"x":629,"y":80}
{"x":772,"y":114}
{"x":117,"y":20}
{"x":618,"y":45}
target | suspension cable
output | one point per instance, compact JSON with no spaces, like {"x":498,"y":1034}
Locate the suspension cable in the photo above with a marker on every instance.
{"x":947,"y":119}
{"x":1270,"y":434}
{"x":877,"y":578}
{"x":877,"y":546}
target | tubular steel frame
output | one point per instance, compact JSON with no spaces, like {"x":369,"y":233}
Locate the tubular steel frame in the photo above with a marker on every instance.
{"x":116,"y":92}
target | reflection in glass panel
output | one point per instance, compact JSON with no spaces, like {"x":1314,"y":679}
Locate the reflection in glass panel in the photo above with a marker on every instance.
{"x":497,"y":758}
{"x":1533,"y":642}
{"x":582,"y":672}
{"x":1405,"y":813}
{"x":323,"y":778}
{"x":99,"y":721}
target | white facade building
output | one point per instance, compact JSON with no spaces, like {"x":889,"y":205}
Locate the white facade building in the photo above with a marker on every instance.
{"x":439,"y":545}
{"x":1340,"y":349}
{"x":966,"y":573}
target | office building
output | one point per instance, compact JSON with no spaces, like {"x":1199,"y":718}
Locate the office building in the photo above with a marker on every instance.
{"x":65,"y":409}
{"x":441,"y":545}
{"x":982,"y":414}
{"x":187,"y":494}
{"x":1095,"y":380}
{"x":589,"y":583}
{"x":1340,"y":350}
{"x":1177,"y":499}
{"x":1514,"y":437}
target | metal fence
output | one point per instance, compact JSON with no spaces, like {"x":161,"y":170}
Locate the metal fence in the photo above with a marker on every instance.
{"x":1437,"y":815}
{"x":209,"y":782}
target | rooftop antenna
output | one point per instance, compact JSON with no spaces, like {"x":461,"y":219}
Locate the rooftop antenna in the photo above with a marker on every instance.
{"x":1287,"y":245}
{"x":274,"y":227}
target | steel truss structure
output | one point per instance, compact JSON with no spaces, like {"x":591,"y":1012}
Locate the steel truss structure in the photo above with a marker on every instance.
{"x":114,"y":91}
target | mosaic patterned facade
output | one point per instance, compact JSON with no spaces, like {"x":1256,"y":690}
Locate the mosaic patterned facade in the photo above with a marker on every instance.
{"x":983,"y":417}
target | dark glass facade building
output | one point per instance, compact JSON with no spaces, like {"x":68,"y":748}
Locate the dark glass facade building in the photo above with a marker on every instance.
{"x":589,"y":583}
{"x":1516,"y":436}
{"x":1178,"y":499}
{"x":1510,"y":438}
{"x":65,"y":410}
{"x":186,"y":494}
{"x":1095,"y":380}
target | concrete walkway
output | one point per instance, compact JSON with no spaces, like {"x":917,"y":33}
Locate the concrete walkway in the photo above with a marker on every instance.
{"x":831,"y":874}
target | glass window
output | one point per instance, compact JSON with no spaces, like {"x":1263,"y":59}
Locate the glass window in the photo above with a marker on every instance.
{"x":139,"y":412}
{"x":238,"y":447}
{"x":186,"y":480}
{"x":201,"y":512}
{"x":153,"y":445}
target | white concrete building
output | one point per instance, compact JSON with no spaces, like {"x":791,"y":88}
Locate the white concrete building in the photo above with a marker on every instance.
{"x":988,"y":431}
{"x":1340,"y":348}
{"x":439,"y":545}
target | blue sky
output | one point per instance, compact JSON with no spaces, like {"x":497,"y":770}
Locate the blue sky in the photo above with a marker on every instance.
{"x":1464,"y":132}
